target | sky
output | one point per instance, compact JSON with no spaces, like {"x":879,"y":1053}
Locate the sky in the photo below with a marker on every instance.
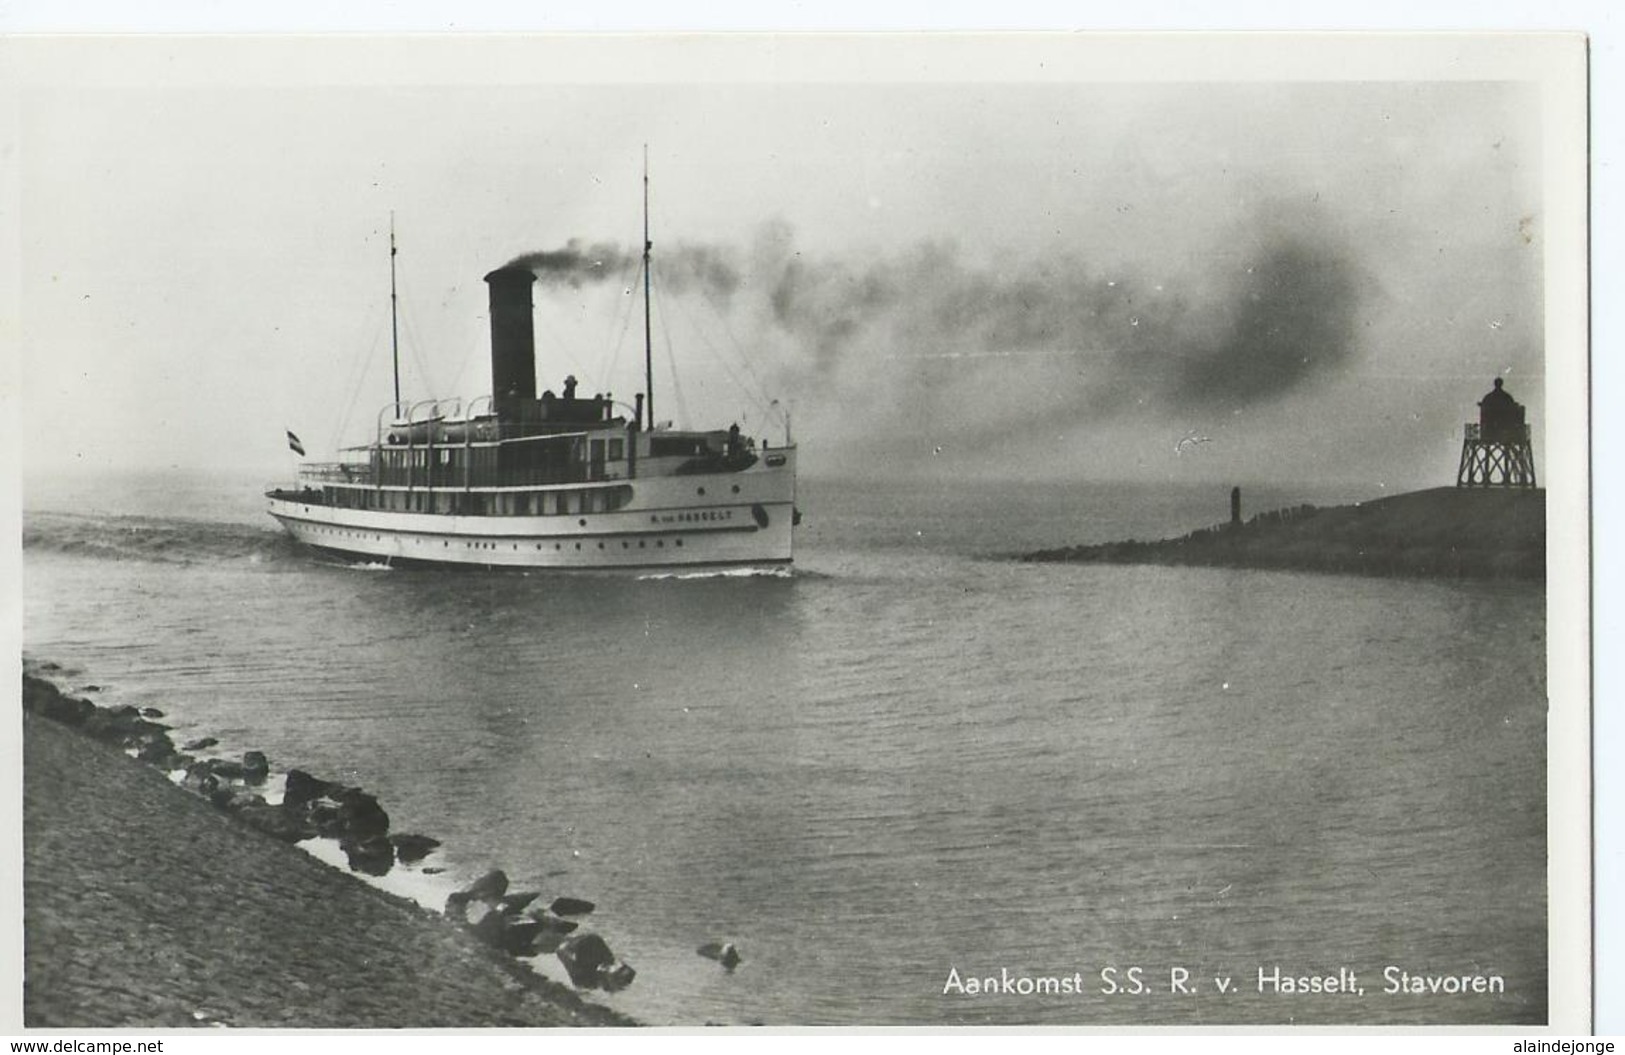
{"x":1174,"y":274}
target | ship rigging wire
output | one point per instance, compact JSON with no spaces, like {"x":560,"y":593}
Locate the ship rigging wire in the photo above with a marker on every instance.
{"x":730,"y":355}
{"x":469,"y":356}
{"x":412,"y":339}
{"x":620,"y":322}
{"x":671,"y":364}
{"x":357,"y":378}
{"x":753,"y":390}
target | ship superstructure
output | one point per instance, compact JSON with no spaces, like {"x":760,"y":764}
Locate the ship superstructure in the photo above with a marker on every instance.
{"x":559,"y":480}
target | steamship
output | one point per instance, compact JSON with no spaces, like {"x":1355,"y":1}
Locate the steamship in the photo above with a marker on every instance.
{"x":510,"y":480}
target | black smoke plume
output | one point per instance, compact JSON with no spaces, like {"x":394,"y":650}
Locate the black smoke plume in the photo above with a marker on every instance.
{"x":682,"y":268}
{"x":927,"y":334}
{"x":1233,"y":328}
{"x":1296,"y":317}
{"x":576,"y":264}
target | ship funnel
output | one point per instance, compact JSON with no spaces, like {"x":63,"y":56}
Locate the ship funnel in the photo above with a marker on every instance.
{"x":513,"y":338}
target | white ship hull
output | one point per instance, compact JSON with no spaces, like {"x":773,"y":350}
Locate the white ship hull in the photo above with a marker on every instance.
{"x":740,"y":519}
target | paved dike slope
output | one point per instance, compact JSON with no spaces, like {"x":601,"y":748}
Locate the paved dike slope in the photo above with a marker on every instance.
{"x":1446,"y":532}
{"x":143,"y":905}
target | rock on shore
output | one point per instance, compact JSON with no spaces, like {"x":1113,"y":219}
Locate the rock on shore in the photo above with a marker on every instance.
{"x":144,"y":905}
{"x":1446,"y":532}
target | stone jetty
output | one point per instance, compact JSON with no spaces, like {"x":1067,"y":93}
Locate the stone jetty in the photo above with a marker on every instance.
{"x":161,"y":890}
{"x":1445,"y":532}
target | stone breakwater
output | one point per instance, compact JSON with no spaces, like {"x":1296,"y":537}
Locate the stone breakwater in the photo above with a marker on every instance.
{"x":1446,"y":532}
{"x":129,"y":920}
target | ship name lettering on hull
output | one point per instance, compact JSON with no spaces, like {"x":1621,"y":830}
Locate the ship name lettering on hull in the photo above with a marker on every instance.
{"x":694,"y":517}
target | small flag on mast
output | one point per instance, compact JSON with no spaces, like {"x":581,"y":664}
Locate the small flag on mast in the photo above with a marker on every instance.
{"x":295,"y":445}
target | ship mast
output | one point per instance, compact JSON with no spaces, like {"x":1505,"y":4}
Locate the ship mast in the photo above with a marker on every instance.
{"x":394,"y":325}
{"x":648,"y":341}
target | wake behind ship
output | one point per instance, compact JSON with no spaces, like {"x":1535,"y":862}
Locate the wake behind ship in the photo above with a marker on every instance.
{"x":556,"y":481}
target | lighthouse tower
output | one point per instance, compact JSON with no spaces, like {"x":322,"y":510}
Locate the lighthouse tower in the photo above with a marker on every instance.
{"x":1495,"y":449}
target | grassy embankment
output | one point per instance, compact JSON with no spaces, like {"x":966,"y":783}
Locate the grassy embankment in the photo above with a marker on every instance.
{"x":1445,"y":532}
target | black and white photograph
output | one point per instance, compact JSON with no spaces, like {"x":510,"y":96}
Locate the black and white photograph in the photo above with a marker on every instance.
{"x":973,"y":530}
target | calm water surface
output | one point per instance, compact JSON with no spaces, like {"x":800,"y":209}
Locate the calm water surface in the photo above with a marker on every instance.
{"x":910,"y":757}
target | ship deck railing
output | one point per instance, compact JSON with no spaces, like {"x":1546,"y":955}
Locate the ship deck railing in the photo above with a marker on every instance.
{"x":363,"y":476}
{"x":337,"y":472}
